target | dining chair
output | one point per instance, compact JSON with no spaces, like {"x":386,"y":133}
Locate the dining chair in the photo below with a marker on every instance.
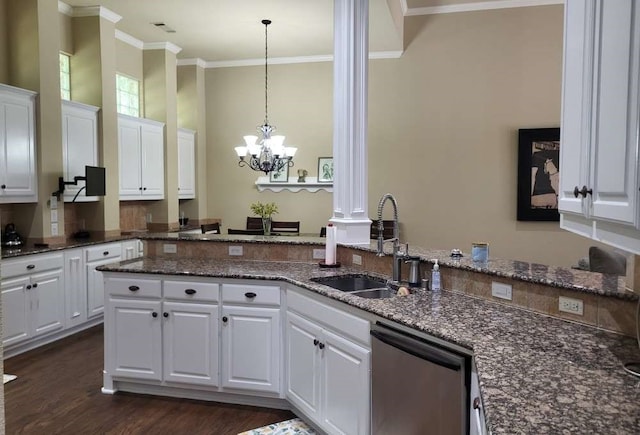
{"x":323,"y":231}
{"x":210,"y":228}
{"x":254,"y":223}
{"x":246,"y":232}
{"x":285,"y":227}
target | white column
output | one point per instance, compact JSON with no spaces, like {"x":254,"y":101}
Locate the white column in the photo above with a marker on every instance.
{"x":350,"y":80}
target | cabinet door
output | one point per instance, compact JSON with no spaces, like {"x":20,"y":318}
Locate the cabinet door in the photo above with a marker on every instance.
{"x":303,"y":364}
{"x":345,"y":385}
{"x":75,"y":285}
{"x":95,"y":287}
{"x":47,"y":294}
{"x":129,"y":146}
{"x":79,"y":145}
{"x":152,"y":161}
{"x":251,"y":348}
{"x":18,"y":179}
{"x":186,"y":164}
{"x":190,"y":337}
{"x":16,"y":310}
{"x":133,"y":338}
{"x":615,"y":118}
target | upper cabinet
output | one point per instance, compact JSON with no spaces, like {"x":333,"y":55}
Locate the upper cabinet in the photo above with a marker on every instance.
{"x":186,"y":164}
{"x":141,"y":151}
{"x":599,"y":184}
{"x":18,"y":180}
{"x":79,"y":145}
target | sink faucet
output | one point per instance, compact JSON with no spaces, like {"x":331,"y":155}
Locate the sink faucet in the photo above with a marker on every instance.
{"x":397,"y":254}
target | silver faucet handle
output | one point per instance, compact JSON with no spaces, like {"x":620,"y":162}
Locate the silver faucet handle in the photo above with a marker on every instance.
{"x":402,"y":249}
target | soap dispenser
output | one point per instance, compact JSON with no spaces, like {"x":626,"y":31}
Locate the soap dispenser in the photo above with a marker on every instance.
{"x":435,"y":276}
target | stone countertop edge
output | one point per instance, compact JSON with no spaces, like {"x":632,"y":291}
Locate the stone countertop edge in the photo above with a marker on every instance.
{"x":30,"y":249}
{"x":537,"y":374}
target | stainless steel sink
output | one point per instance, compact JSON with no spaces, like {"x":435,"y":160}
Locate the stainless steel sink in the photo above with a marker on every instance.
{"x":359,"y":285}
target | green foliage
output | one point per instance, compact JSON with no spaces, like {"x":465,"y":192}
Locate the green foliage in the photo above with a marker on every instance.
{"x":264,"y":210}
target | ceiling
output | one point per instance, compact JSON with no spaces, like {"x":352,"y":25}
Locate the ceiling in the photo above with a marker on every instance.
{"x":231,"y":30}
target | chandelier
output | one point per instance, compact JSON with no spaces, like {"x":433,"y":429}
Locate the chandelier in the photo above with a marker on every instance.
{"x":269,"y":154}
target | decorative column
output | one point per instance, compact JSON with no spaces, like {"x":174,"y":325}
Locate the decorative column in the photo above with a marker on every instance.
{"x":350,"y":81}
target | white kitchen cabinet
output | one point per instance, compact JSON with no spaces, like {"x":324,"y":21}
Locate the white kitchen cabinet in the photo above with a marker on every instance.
{"x":32,"y":297}
{"x":79,"y":145}
{"x":599,"y":185}
{"x":141,"y":157}
{"x":328,"y":365}
{"x":251,"y":337}
{"x":162,"y":330}
{"x":75,"y":283}
{"x":97,"y":256}
{"x":186,"y":164}
{"x":18,"y":176}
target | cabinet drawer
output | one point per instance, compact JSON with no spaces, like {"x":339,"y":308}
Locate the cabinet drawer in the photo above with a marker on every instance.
{"x":31,"y":264}
{"x":133,"y":287}
{"x":251,"y":294}
{"x":195,"y":291}
{"x":109,"y":250}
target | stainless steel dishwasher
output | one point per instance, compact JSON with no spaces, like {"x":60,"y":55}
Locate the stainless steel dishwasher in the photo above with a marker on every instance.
{"x":418,"y":387}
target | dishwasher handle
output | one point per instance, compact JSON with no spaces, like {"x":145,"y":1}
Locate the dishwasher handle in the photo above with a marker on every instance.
{"x":421,"y":350}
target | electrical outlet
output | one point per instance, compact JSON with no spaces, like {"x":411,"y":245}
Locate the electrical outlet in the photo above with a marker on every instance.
{"x":54,"y":215}
{"x":149,"y":218}
{"x":54,"y":228}
{"x":170,"y":248}
{"x":235,"y":251}
{"x":570,"y":305}
{"x":500,"y":290}
{"x":356,"y":259}
{"x":53,"y":202}
{"x":318,"y":254}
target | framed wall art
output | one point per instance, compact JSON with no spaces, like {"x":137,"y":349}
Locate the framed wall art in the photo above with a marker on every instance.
{"x":538,"y":174}
{"x":325,"y":169}
{"x":281,"y":176}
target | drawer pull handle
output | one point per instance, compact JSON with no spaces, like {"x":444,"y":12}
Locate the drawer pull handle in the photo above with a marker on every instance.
{"x":165,"y":315}
{"x":190,"y":291}
{"x":35,"y":285}
{"x":4,"y":186}
{"x":250,"y":295}
{"x":154,"y":314}
{"x":315,"y":341}
{"x":134,"y":288}
{"x":31,"y":266}
{"x":105,"y":253}
{"x":321,"y":345}
{"x":28,"y":286}
{"x":225,"y":319}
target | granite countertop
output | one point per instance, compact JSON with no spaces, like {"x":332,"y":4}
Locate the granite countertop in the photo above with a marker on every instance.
{"x":30,"y":248}
{"x":537,"y":374}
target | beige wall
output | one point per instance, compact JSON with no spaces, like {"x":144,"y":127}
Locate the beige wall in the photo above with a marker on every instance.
{"x":4,"y":72}
{"x":129,"y":60}
{"x":66,"y":33}
{"x":443,"y":122}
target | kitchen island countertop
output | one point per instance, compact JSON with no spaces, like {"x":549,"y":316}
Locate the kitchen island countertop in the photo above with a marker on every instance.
{"x":537,"y":374}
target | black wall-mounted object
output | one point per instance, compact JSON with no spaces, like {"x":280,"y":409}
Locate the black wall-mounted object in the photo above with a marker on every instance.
{"x":94,"y":177}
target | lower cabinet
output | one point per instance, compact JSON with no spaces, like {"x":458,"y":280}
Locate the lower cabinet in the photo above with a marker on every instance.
{"x":94,"y":257}
{"x":32,"y":297}
{"x":328,"y":375}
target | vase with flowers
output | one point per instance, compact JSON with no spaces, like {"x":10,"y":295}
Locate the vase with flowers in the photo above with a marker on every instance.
{"x":265,"y":211}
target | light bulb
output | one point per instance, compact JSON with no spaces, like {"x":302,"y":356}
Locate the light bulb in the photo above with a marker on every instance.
{"x":241,"y":151}
{"x":250,"y":140}
{"x":290,"y":151}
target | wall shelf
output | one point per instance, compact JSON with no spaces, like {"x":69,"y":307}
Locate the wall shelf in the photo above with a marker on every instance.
{"x":292,"y":185}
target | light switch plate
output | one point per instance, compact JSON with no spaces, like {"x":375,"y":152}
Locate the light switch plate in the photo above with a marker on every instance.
{"x":235,"y":251}
{"x":54,"y":215}
{"x":53,"y":202}
{"x":356,"y":259}
{"x":502,"y":291}
{"x":54,"y":228}
{"x":318,"y":254}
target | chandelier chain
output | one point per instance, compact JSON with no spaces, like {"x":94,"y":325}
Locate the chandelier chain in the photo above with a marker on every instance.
{"x":266,"y":74}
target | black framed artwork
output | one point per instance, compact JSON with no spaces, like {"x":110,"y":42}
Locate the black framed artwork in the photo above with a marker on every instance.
{"x":538,"y":174}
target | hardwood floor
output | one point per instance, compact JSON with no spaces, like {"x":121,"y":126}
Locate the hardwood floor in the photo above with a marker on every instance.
{"x":58,"y":392}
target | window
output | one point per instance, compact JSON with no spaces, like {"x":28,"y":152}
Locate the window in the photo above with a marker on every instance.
{"x":65,"y":76}
{"x":128,"y":95}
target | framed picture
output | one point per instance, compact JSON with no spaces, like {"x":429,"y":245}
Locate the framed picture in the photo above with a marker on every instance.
{"x":538,"y":174}
{"x":325,"y":169}
{"x":281,"y":176}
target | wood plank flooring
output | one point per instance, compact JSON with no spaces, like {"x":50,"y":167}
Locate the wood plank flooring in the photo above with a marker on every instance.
{"x":58,"y":392}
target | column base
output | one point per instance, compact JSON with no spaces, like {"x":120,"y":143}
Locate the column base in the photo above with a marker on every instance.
{"x":353,"y":231}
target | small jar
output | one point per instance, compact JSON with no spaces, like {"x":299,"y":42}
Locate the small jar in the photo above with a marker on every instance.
{"x":480,"y":252}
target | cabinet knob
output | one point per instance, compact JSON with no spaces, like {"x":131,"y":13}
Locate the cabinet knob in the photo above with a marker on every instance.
{"x":321,"y":345}
{"x":250,"y":295}
{"x":4,"y":186}
{"x":134,"y":288}
{"x":154,"y":314}
{"x":225,"y":319}
{"x":35,"y":284}
{"x":28,"y":286}
{"x":144,"y":188}
{"x":105,"y":253}
{"x":476,"y":403}
{"x":315,"y":341}
{"x":190,"y":291}
{"x":165,"y":315}
{"x":584,"y":191}
{"x":140,"y":188}
{"x":31,"y":266}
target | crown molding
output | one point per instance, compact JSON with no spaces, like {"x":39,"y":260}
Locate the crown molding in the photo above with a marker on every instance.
{"x":96,"y":11}
{"x":295,"y":59}
{"x":194,"y":61}
{"x":173,"y":48}
{"x":128,"y":39}
{"x":65,"y":9}
{"x":480,"y":6}
{"x":404,"y":7}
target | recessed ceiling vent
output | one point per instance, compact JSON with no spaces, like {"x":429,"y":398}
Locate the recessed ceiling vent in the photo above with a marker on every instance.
{"x":164,"y":27}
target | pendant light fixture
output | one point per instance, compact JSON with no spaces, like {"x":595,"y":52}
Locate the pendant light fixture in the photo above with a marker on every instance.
{"x":269,"y":154}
